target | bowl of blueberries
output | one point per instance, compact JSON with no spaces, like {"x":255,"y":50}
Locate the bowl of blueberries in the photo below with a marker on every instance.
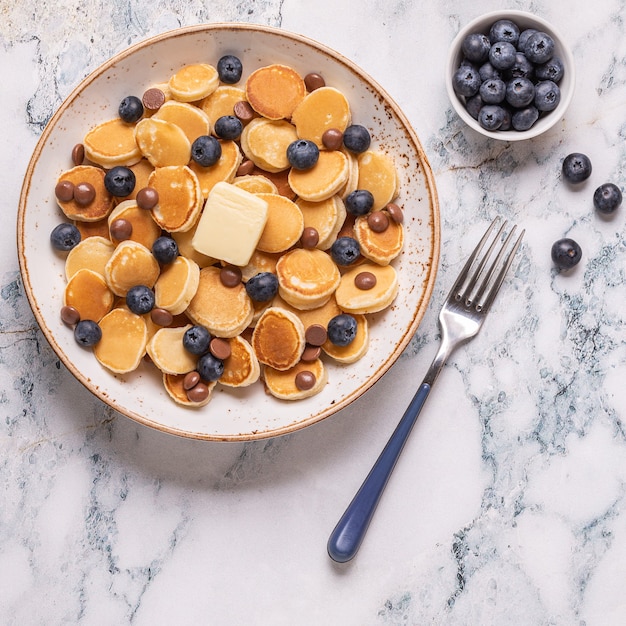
{"x":510,"y":75}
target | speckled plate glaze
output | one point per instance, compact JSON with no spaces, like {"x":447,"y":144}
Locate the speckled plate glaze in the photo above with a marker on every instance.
{"x":232,"y":415}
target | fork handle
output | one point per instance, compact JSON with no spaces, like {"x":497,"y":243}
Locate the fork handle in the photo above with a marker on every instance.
{"x":347,"y":536}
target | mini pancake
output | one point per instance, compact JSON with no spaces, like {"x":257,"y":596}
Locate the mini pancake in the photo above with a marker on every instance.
{"x":278,"y":338}
{"x":280,"y":179}
{"x":103,"y":202}
{"x":265,"y":143}
{"x":284,"y":224}
{"x":183,"y":239}
{"x":123,"y":342}
{"x":282,"y":384}
{"x":162,"y":142}
{"x":193,"y":82}
{"x":321,"y":110}
{"x":353,"y":300}
{"x":241,"y":368}
{"x":92,"y":229}
{"x":356,"y":349}
{"x":130,"y":264}
{"x":274,"y":91}
{"x":223,"y":171}
{"x":324,"y":179}
{"x":92,"y":253}
{"x":145,"y":229}
{"x":320,"y":315}
{"x":382,"y":247}
{"x":225,"y":311}
{"x":255,"y":184}
{"x":180,"y":197}
{"x":327,"y":217}
{"x":173,"y":384}
{"x":177,"y":285}
{"x":193,"y":121}
{"x":352,"y":182}
{"x":377,"y":174}
{"x":89,"y":294}
{"x":259,"y":262}
{"x":222,"y":102}
{"x":306,"y":278}
{"x":167,"y":352}
{"x":112,"y":143}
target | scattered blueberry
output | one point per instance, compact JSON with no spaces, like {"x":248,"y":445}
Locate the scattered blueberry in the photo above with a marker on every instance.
{"x":502,"y":55}
{"x":491,"y":117}
{"x":607,"y":198}
{"x":466,"y":81}
{"x":228,"y":127}
{"x":566,"y":253}
{"x":504,"y":30}
{"x":547,"y":95}
{"x":356,"y":138}
{"x":520,"y":92}
{"x":475,"y":47}
{"x":131,"y":109}
{"x":576,"y":167}
{"x":342,"y":329}
{"x":492,"y":91}
{"x":165,"y":249}
{"x":523,"y":119}
{"x":359,"y":202}
{"x":209,"y":367}
{"x":262,"y":287}
{"x":64,"y":237}
{"x":120,"y":181}
{"x":206,"y":150}
{"x":140,"y":299}
{"x":87,"y":333}
{"x":539,"y":47}
{"x":552,"y":70}
{"x":196,"y":340}
{"x":302,"y":154}
{"x":229,"y":69}
{"x":345,"y":250}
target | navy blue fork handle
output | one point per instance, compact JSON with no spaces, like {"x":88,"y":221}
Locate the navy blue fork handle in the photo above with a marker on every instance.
{"x":347,"y":536}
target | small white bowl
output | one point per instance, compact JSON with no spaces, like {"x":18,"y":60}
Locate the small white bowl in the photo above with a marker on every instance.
{"x":524,"y":20}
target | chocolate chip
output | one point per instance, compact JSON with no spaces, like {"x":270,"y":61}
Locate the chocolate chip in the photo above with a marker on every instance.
{"x":310,"y":238}
{"x":314,"y":81}
{"x":64,"y":190}
{"x":244,"y":111}
{"x":153,"y":99}
{"x":378,"y":221}
{"x":78,"y":154}
{"x":191,"y":380}
{"x":310,"y":353}
{"x":84,"y":194}
{"x":230,"y":276}
{"x":395,"y":212}
{"x":70,"y":315}
{"x":305,"y":380}
{"x":121,"y":229}
{"x":246,"y":167}
{"x":316,"y":335}
{"x":332,"y":139}
{"x":365,"y":280}
{"x":220,"y":348}
{"x":161,"y":317}
{"x":199,"y":393}
{"x":147,"y":198}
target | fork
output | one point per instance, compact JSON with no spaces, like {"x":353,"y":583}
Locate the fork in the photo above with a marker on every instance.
{"x":460,"y":319}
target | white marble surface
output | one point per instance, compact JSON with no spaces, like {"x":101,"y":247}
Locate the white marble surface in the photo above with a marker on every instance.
{"x":509,"y":503}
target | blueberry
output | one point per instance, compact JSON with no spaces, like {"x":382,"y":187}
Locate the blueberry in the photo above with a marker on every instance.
{"x":523,"y":119}
{"x":120,"y":181}
{"x":302,"y":154}
{"x":523,"y":38}
{"x":196,"y":340}
{"x":465,"y":82}
{"x":356,"y":138}
{"x":342,"y":329}
{"x":64,"y":237}
{"x":539,"y":47}
{"x":502,"y":55}
{"x":262,"y":287}
{"x":165,"y":249}
{"x":507,"y":122}
{"x":475,"y":47}
{"x":576,"y":167}
{"x":522,"y":68}
{"x":87,"y":333}
{"x":229,"y":69}
{"x":474,"y":105}
{"x":520,"y":92}
{"x":228,"y":127}
{"x":206,"y":150}
{"x":487,"y":71}
{"x":359,"y":202}
{"x":345,"y":250}
{"x":566,"y":253}
{"x":552,"y":70}
{"x":209,"y":367}
{"x":547,"y":95}
{"x":492,"y":91}
{"x":491,"y":117}
{"x":607,"y":198}
{"x":130,"y":109}
{"x":504,"y":30}
{"x":140,"y":299}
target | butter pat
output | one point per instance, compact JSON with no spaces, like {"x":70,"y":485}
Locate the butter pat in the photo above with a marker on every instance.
{"x":231,"y":224}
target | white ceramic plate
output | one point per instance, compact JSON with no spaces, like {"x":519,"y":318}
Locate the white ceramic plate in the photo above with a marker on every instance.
{"x":232,"y":414}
